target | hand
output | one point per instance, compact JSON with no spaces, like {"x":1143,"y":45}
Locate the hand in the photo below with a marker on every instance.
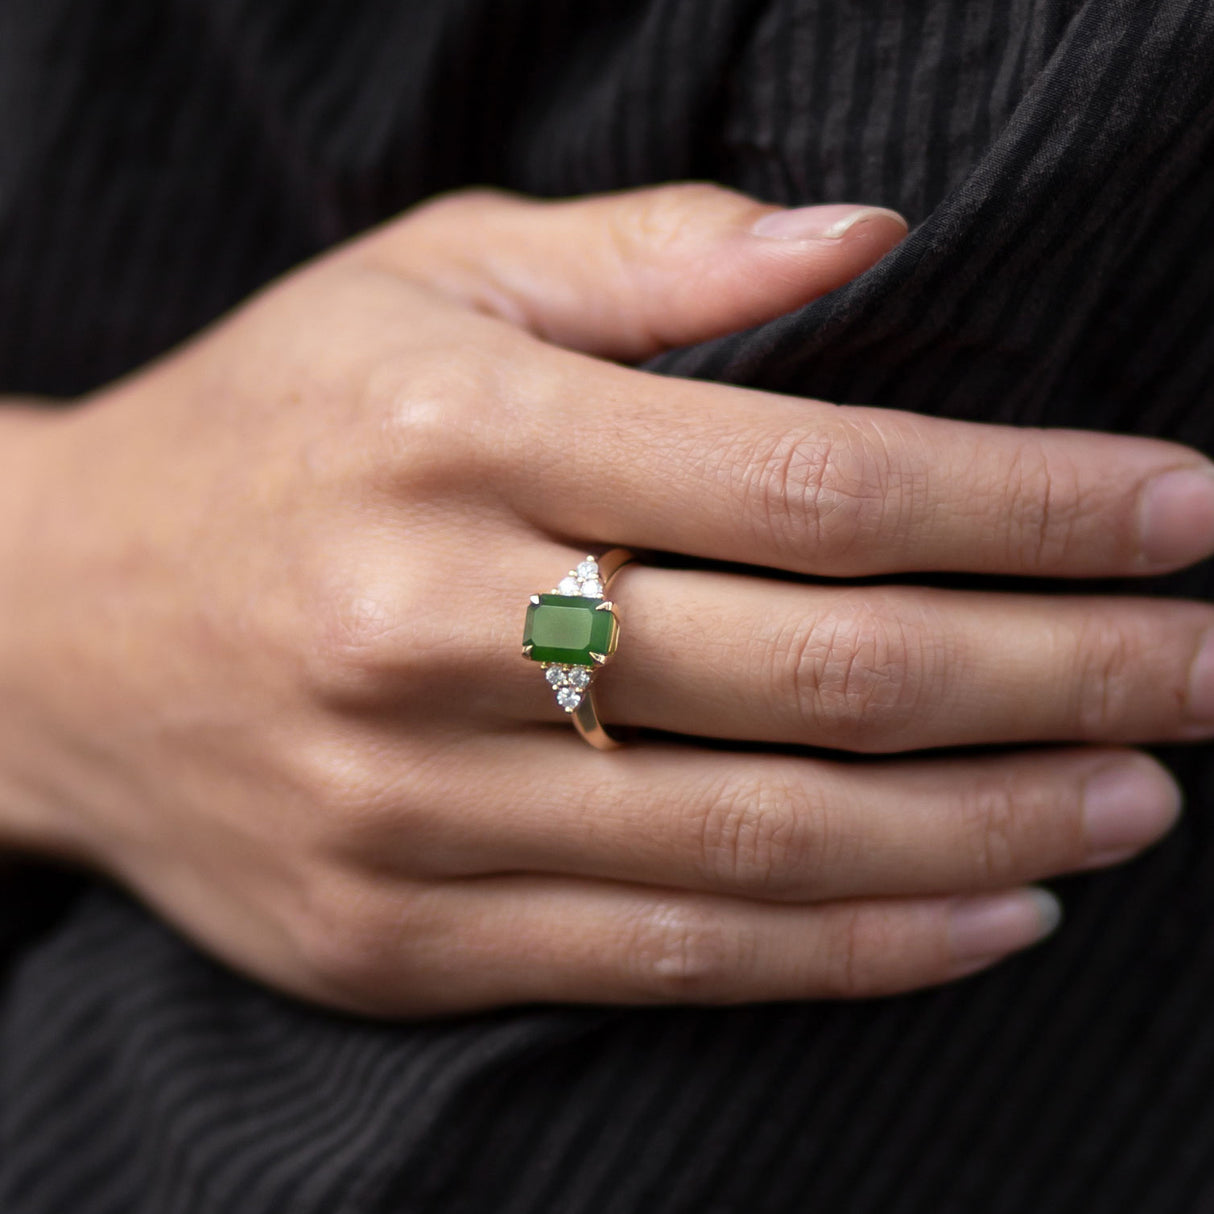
{"x":262,"y":616}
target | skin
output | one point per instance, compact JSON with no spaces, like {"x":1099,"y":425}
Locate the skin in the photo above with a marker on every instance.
{"x":262,"y":604}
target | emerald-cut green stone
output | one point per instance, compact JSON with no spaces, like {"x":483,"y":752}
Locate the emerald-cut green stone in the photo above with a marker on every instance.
{"x":568,"y":629}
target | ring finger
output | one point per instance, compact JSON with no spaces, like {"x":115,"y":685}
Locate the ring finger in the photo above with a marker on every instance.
{"x":892,"y":668}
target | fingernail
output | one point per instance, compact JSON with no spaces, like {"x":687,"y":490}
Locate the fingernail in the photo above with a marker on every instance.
{"x":819,"y":223}
{"x":1176,"y":517}
{"x":1125,"y":807}
{"x":1201,"y":686}
{"x":984,"y":928}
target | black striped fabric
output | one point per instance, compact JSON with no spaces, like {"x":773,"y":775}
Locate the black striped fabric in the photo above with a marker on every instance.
{"x":159,"y":159}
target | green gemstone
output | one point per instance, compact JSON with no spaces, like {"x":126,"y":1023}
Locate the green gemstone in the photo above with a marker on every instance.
{"x":567,"y":629}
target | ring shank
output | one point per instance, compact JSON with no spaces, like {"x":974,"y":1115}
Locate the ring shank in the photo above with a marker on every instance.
{"x":585,"y":716}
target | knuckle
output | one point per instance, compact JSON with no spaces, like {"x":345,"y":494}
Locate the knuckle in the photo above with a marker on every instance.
{"x":990,"y":828}
{"x":368,"y":640}
{"x":824,"y":494}
{"x":433,"y":226}
{"x":661,"y":218}
{"x":1041,"y":497}
{"x":681,"y":952}
{"x":353,"y":941}
{"x":356,"y":644}
{"x":461,"y":206}
{"x":351,"y":629}
{"x":432,"y":424}
{"x":860,"y":944}
{"x":767,"y":837}
{"x":345,"y":784}
{"x":1013,"y":829}
{"x":862,"y":674}
{"x":358,"y":806}
{"x":1107,"y":668}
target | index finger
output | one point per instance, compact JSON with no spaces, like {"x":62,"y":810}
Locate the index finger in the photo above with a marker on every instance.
{"x":626,"y":457}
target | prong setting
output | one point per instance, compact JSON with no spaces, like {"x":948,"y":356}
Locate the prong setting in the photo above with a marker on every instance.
{"x":561,"y":636}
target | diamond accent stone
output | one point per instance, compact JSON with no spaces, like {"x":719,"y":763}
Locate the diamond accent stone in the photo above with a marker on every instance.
{"x":583,"y":582}
{"x":568,"y":698}
{"x":562,"y":675}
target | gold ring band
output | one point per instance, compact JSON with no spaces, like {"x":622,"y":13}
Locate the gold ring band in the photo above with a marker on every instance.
{"x":573,"y":632}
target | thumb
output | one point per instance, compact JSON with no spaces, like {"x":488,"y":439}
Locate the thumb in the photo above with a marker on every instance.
{"x":626,"y":275}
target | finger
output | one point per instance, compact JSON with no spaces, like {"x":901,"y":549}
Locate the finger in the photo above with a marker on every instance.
{"x":874,"y":669}
{"x":880,"y":669}
{"x":626,"y":275}
{"x":519,"y":938}
{"x":784,"y":828}
{"x":617,"y":456}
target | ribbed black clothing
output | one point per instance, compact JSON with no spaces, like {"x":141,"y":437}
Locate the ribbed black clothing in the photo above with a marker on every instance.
{"x":159,"y":159}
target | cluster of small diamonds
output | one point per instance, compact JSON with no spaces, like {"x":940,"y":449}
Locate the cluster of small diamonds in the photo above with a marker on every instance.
{"x":570,"y":682}
{"x":583,"y":580}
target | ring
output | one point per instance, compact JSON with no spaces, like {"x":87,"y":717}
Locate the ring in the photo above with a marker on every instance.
{"x":572,"y":633}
